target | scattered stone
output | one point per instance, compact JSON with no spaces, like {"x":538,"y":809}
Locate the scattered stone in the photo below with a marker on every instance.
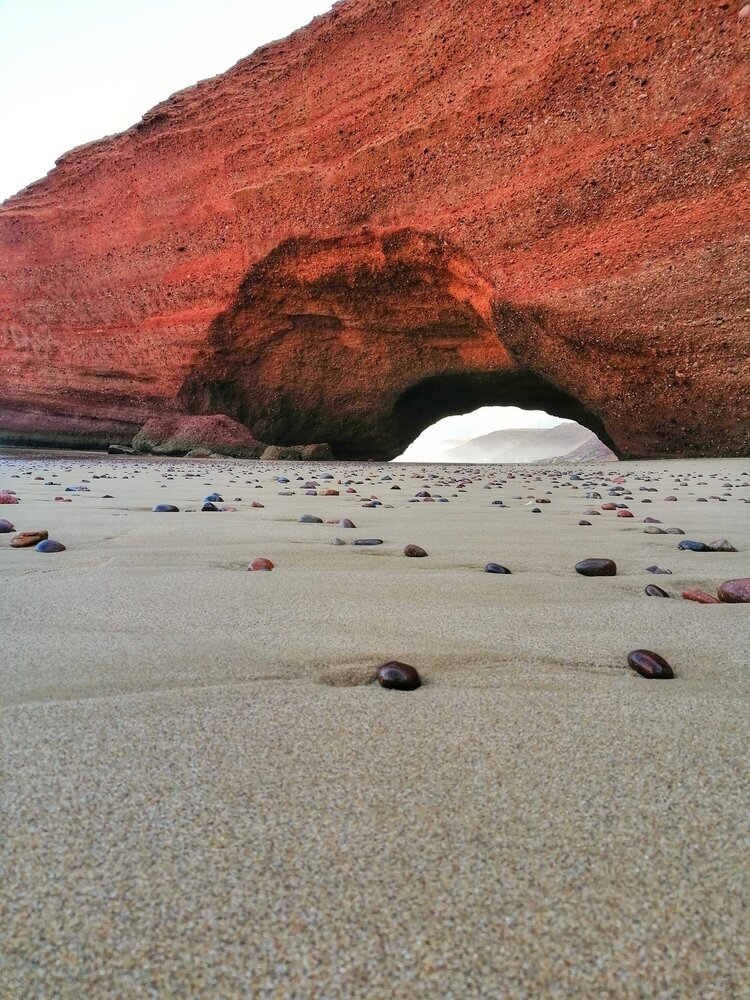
{"x":309,"y":519}
{"x":5,"y":526}
{"x":596,"y":567}
{"x":9,"y":498}
{"x":415,"y":551}
{"x":624,"y":513}
{"x":658,"y":569}
{"x":492,"y":567}
{"x":209,"y":506}
{"x":732,"y":591}
{"x":650,"y":665}
{"x":653,"y":591}
{"x":721,"y":545}
{"x":49,"y":545}
{"x":691,"y":546}
{"x":700,"y":597}
{"x":673,"y":531}
{"x":260,"y":564}
{"x":582,"y":523}
{"x":399,"y":676}
{"x":25,"y":539}
{"x":165,"y":508}
{"x":652,"y":529}
{"x":346,"y":523}
{"x":256,"y":504}
{"x":338,"y":541}
{"x":368,"y":541}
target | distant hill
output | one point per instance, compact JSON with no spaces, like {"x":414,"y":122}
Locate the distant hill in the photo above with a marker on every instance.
{"x":532,"y":444}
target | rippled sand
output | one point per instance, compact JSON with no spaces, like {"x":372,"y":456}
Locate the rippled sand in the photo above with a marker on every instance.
{"x":203,"y":796}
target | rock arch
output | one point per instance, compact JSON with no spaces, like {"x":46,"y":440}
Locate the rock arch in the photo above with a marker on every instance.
{"x":363,"y":340}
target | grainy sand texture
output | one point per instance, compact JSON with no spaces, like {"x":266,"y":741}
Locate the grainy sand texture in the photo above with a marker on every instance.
{"x":204,"y":795}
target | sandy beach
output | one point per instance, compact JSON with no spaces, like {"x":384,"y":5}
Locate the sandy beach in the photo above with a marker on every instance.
{"x":205,"y":795}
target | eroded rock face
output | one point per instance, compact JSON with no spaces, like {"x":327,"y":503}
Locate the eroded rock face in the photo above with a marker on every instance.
{"x":181,"y":435}
{"x":405,"y":210}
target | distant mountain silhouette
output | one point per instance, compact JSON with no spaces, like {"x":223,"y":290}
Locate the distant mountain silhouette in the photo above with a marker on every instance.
{"x":532,"y":444}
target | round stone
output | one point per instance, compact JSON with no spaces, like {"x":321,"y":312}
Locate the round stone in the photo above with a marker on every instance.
{"x":25,"y":539}
{"x":653,"y":529}
{"x":653,"y":591}
{"x":673,"y":531}
{"x":583,"y":522}
{"x":415,"y":551}
{"x":624,"y":513}
{"x":658,"y":569}
{"x":8,"y":498}
{"x":496,"y":568}
{"x":700,"y":597}
{"x":49,"y":545}
{"x":399,"y":676}
{"x":649,"y":664}
{"x":734,"y":591}
{"x":165,"y":508}
{"x":693,"y":546}
{"x":721,"y":545}
{"x":5,"y":526}
{"x":309,"y":519}
{"x":596,"y":567}
{"x":368,"y":541}
{"x":209,"y":506}
{"x":256,"y":504}
{"x":346,"y":523}
{"x":260,"y":564}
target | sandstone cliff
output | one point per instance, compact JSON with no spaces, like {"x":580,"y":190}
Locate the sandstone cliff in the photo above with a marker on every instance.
{"x":404,"y":210}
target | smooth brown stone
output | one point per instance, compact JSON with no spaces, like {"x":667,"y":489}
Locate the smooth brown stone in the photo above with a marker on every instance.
{"x":400,"y":676}
{"x":260,"y":564}
{"x":415,"y":551}
{"x":596,"y":567}
{"x":700,"y":597}
{"x":735,"y":591}
{"x":25,"y":539}
{"x":650,"y":665}
{"x":652,"y":529}
{"x":624,"y":513}
{"x":609,"y":506}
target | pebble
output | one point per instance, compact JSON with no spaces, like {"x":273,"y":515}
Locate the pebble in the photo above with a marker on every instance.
{"x":653,"y":591}
{"x":658,"y":569}
{"x":624,"y":513}
{"x":585,"y":523}
{"x":309,"y":519}
{"x":209,"y":506}
{"x":649,"y":664}
{"x":368,"y":541}
{"x":691,"y":546}
{"x":256,"y":504}
{"x":8,"y":498}
{"x":25,"y":539}
{"x":734,"y":591}
{"x":673,"y":531}
{"x":346,"y":523}
{"x":49,"y":545}
{"x":399,"y":676}
{"x":415,"y":551}
{"x":5,"y":526}
{"x":165,"y":508}
{"x":496,"y":568}
{"x":260,"y":564}
{"x":338,"y":541}
{"x":652,"y":529}
{"x":596,"y":567}
{"x":700,"y":597}
{"x":721,"y":545}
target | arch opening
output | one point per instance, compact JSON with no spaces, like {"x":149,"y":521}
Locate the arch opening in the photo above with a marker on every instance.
{"x":432,"y":399}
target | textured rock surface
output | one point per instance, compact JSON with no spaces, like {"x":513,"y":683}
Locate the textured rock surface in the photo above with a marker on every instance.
{"x":404,"y":210}
{"x":178,"y":435}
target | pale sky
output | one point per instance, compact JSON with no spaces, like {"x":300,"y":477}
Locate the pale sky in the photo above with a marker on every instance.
{"x":72,"y":71}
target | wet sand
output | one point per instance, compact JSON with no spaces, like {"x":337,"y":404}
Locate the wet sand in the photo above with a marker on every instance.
{"x":204,"y":796}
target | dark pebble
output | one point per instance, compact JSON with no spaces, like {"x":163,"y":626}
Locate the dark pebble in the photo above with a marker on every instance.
{"x":496,"y":568}
{"x":596,"y":567}
{"x":735,"y":591}
{"x":209,"y":506}
{"x":693,"y":546}
{"x":165,"y":508}
{"x":650,"y":665}
{"x":721,"y":545}
{"x":368,"y":541}
{"x":653,"y":591}
{"x":5,"y":526}
{"x":658,"y":569}
{"x":415,"y":551}
{"x":399,"y":676}
{"x":585,"y":523}
{"x":309,"y":519}
{"x":49,"y":545}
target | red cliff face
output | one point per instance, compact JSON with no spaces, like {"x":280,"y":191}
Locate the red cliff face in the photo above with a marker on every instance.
{"x":406,"y":209}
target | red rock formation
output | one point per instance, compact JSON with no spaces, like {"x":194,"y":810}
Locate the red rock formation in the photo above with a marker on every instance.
{"x":406,"y":209}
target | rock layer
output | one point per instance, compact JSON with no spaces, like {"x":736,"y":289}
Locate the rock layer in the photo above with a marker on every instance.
{"x":404,"y":210}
